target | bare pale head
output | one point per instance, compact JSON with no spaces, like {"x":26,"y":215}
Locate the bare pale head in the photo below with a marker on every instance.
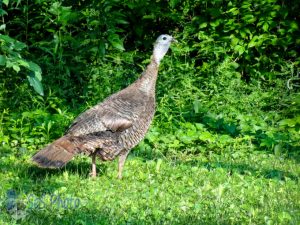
{"x":161,"y":46}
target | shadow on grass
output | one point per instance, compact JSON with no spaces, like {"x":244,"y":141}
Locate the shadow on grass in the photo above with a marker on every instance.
{"x":29,"y":177}
{"x":81,"y":168}
{"x":32,"y":171}
{"x":103,"y":215}
{"x":243,"y":169}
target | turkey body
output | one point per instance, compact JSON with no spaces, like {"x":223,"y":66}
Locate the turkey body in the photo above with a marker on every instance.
{"x":113,"y":127}
{"x":118,"y":124}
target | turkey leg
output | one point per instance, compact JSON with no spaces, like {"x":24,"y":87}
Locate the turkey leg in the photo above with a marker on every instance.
{"x":122,"y":159}
{"x":94,"y":172}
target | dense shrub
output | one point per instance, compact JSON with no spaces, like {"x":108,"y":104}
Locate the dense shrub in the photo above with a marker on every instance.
{"x":233,"y":78}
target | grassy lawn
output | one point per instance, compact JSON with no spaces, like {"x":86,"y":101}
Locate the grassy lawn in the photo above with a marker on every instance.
{"x":250,"y":188}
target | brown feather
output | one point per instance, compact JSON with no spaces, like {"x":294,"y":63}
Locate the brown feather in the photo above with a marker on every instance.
{"x":57,"y":154}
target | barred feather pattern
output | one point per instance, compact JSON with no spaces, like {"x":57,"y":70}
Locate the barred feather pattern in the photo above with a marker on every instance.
{"x":110,"y":128}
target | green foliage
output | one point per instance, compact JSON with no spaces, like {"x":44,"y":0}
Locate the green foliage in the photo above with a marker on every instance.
{"x":224,"y":144}
{"x":11,"y":58}
{"x":256,"y":33}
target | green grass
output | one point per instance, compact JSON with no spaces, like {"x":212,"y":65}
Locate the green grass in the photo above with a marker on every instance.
{"x":252,"y":188}
{"x":222,"y":151}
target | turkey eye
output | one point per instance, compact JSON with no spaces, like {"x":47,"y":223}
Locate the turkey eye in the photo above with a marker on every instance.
{"x":164,"y":38}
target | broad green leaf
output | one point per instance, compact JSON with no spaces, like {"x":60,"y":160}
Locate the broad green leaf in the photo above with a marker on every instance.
{"x":16,"y":68}
{"x":294,"y":25}
{"x":5,"y":2}
{"x":6,"y":38}
{"x":240,"y":49}
{"x":203,"y":25}
{"x":186,"y":139}
{"x":252,"y":43}
{"x":116,"y":42}
{"x":173,"y":3}
{"x":266,"y":26}
{"x":19,"y":45}
{"x":206,"y":136}
{"x":121,"y":21}
{"x":235,"y":65}
{"x":234,"y":11}
{"x":36,"y":69}
{"x":215,"y":23}
{"x":224,"y":138}
{"x":249,"y":18}
{"x":23,"y":62}
{"x":55,"y":8}
{"x":243,"y":33}
{"x":234,"y":41}
{"x":2,"y":12}
{"x":290,"y":122}
{"x":2,"y":26}
{"x":38,"y":75}
{"x":152,"y":16}
{"x":35,"y":83}
{"x":95,"y":23}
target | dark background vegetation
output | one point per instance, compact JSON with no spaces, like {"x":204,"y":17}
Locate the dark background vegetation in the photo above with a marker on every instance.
{"x":228,"y":90}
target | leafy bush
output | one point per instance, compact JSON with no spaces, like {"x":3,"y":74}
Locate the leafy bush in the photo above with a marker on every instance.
{"x":222,"y":46}
{"x":11,"y":58}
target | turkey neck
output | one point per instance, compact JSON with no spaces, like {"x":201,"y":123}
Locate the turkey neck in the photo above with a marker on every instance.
{"x":148,"y":79}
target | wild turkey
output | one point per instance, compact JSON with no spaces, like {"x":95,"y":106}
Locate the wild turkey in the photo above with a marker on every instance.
{"x":113,"y":127}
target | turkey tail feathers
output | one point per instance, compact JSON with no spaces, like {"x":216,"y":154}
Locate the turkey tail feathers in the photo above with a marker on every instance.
{"x":57,"y":154}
